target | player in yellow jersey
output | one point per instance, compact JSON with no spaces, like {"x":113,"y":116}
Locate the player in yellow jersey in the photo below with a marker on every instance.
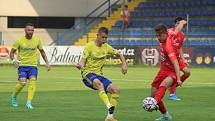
{"x":91,"y":64}
{"x":26,"y":62}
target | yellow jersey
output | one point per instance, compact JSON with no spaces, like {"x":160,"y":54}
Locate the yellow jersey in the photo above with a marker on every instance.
{"x":95,"y":57}
{"x":27,"y":50}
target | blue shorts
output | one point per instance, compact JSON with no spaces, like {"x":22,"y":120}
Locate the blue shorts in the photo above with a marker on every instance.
{"x":88,"y":80}
{"x":27,"y":71}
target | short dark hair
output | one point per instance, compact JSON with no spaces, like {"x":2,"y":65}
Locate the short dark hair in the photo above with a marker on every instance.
{"x":103,"y":30}
{"x":126,"y":6}
{"x":29,"y":24}
{"x":160,"y":28}
{"x":177,"y":19}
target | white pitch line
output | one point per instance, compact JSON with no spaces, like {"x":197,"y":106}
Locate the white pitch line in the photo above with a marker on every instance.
{"x":123,"y":80}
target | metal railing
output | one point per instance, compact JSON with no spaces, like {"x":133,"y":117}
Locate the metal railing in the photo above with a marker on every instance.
{"x":69,"y":36}
{"x":1,"y":41}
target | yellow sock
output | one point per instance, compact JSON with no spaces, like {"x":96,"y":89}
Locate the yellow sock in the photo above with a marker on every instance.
{"x":18,"y":88}
{"x":31,"y":89}
{"x":114,"y":99}
{"x":103,"y":96}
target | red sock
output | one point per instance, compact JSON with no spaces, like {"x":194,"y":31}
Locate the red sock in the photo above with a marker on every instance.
{"x":183,"y":78}
{"x":162,"y":108}
{"x":173,"y":87}
{"x":160,"y":93}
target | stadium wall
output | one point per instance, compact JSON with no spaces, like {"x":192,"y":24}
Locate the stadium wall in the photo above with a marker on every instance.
{"x":74,"y":8}
{"x":43,"y":8}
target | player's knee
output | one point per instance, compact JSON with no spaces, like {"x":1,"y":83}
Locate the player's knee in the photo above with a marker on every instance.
{"x":23,"y":83}
{"x":32,"y":79}
{"x":187,"y":73}
{"x":116,"y":90}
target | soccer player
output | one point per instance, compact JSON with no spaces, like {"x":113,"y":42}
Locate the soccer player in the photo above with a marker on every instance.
{"x":91,"y":64}
{"x":182,"y":61}
{"x":169,"y":72}
{"x":27,"y":47}
{"x":125,"y":15}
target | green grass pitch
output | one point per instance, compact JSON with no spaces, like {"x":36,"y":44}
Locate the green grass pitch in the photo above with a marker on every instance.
{"x":61,"y":96}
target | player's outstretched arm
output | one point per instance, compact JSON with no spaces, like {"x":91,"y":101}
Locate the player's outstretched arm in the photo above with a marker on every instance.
{"x":124,"y":67}
{"x":180,"y":26}
{"x":43,"y":54}
{"x":15,"y":61}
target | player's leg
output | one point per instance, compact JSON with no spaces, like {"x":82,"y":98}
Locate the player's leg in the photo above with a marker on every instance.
{"x":172,"y":90}
{"x":114,"y":90}
{"x":17,"y":89}
{"x":114,"y":100}
{"x":22,"y":81}
{"x":186,"y":74}
{"x":167,"y":82}
{"x":32,"y":75}
{"x":91,"y":80}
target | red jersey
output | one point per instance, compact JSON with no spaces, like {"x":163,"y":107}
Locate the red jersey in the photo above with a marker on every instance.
{"x":169,"y":52}
{"x":180,"y":39}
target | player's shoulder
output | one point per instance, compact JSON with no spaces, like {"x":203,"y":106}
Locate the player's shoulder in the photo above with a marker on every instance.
{"x":36,"y":38}
{"x":172,"y":33}
{"x":170,"y":29}
{"x":90,"y":44}
{"x":181,"y":33}
{"x":21,"y":38}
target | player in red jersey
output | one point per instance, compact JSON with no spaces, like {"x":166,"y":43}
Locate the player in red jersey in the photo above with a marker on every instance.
{"x":182,"y":62}
{"x":169,"y":69}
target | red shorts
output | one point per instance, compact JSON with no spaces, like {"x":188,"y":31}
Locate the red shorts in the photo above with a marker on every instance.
{"x":161,"y":76}
{"x":182,"y":64}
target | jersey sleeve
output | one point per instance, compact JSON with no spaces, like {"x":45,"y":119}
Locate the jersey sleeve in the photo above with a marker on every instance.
{"x":169,"y":48}
{"x":39,"y":45}
{"x":111,"y":50}
{"x":86,"y":52}
{"x":16,"y":44}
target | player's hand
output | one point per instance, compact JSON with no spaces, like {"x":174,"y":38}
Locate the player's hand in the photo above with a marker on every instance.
{"x":183,"y":22}
{"x":48,"y":66}
{"x":179,"y":82}
{"x":16,"y":62}
{"x":124,"y":68}
{"x":77,"y":65}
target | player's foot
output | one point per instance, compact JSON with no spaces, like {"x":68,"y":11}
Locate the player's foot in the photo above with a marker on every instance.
{"x":164,"y":118}
{"x":173,"y":97}
{"x":111,"y":110}
{"x":29,"y":105}
{"x":110,"y":119}
{"x":14,"y":101}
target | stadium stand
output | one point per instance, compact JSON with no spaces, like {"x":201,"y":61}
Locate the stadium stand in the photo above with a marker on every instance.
{"x":201,"y":25}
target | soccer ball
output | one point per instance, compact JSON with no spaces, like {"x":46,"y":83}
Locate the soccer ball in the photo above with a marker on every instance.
{"x":149,"y":104}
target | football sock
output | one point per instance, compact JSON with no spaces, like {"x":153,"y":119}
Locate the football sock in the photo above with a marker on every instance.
{"x":160,"y":93}
{"x":183,"y":78}
{"x":103,"y":96}
{"x":110,"y":112}
{"x":114,"y":99}
{"x":31,"y":89}
{"x":17,"y":89}
{"x":162,"y":108}
{"x":166,"y":114}
{"x":173,"y":87}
